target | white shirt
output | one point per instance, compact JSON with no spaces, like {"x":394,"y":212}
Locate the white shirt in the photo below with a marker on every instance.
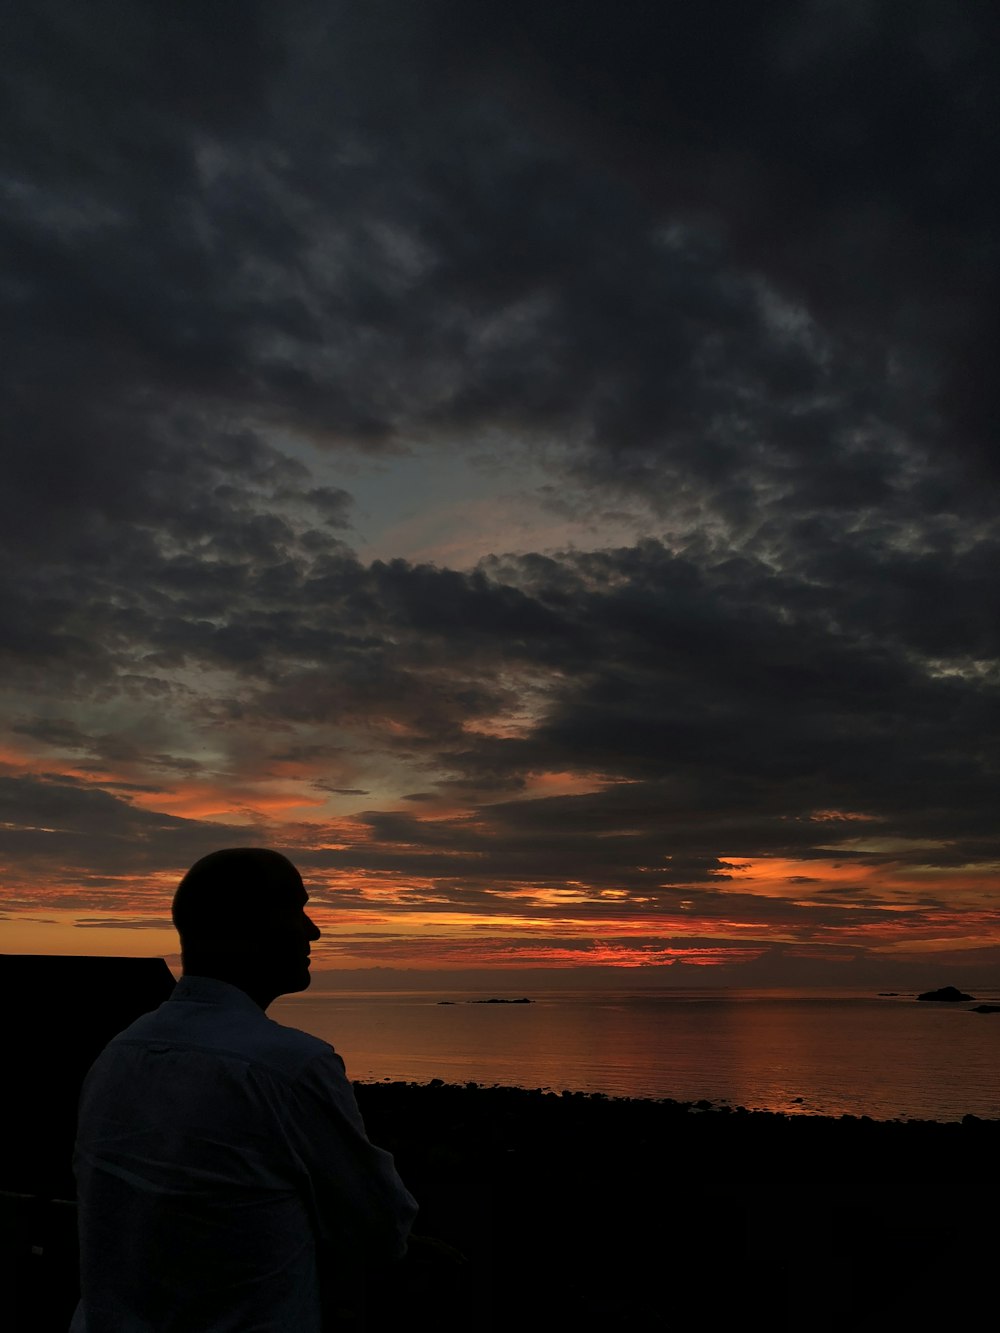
{"x":221,"y":1159}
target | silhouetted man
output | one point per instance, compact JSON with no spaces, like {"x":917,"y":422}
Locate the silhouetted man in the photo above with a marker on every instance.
{"x":222,"y":1163}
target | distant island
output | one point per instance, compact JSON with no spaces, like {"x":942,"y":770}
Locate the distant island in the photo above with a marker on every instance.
{"x":949,"y":994}
{"x":523,"y":1000}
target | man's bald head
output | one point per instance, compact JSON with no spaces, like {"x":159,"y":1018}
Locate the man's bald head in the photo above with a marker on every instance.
{"x":236,"y":884}
{"x":240,"y":913}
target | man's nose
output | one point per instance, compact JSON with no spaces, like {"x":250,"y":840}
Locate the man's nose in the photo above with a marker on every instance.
{"x":313,"y":932}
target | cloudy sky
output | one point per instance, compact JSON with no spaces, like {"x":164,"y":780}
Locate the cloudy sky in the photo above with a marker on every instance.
{"x":534,"y":463}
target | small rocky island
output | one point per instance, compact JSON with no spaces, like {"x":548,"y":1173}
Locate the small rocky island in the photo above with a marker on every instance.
{"x":947,"y":994}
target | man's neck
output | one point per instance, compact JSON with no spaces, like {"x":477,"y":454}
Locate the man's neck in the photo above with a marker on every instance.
{"x":258,"y":989}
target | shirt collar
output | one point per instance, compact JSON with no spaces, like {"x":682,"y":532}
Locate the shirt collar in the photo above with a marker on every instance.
{"x":209,"y":990}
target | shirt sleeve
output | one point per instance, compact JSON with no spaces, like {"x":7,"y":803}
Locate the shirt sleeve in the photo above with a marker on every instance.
{"x":361,"y":1204}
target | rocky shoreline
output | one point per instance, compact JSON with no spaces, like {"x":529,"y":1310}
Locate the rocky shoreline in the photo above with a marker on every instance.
{"x":595,"y":1214}
{"x":588,"y":1212}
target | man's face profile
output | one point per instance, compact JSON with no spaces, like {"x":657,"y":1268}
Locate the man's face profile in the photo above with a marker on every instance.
{"x":283,"y":944}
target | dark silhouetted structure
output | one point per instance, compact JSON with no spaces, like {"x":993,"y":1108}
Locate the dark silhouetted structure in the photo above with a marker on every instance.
{"x":59,"y":1013}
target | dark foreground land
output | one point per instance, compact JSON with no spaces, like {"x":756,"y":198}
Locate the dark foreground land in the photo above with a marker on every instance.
{"x":575,"y":1213}
{"x":583,"y":1213}
{"x":589,"y":1213}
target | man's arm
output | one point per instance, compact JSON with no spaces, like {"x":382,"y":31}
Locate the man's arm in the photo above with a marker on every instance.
{"x":361,"y":1205}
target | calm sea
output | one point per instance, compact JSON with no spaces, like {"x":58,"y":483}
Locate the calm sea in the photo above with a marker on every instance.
{"x":820,"y":1053}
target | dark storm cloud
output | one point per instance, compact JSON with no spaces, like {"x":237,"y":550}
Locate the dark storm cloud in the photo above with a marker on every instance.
{"x":846,"y":150}
{"x":725,"y":715}
{"x":741,"y":690}
{"x":569,"y":219}
{"x":71,"y":840}
{"x":734,"y":262}
{"x":136,"y":922}
{"x":720,"y":708}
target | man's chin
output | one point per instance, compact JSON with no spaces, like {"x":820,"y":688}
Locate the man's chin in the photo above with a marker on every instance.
{"x":299,"y":980}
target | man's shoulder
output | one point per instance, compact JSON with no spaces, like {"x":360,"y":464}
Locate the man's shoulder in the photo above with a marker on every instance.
{"x":239,"y":1033}
{"x":284,"y":1046}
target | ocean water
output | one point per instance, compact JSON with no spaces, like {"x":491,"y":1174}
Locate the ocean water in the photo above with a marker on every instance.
{"x":820,"y":1053}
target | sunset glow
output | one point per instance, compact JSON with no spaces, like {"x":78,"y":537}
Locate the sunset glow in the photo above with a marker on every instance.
{"x":375,"y":911}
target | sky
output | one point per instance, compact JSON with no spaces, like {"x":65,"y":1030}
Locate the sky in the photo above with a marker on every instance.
{"x":534,"y":464}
